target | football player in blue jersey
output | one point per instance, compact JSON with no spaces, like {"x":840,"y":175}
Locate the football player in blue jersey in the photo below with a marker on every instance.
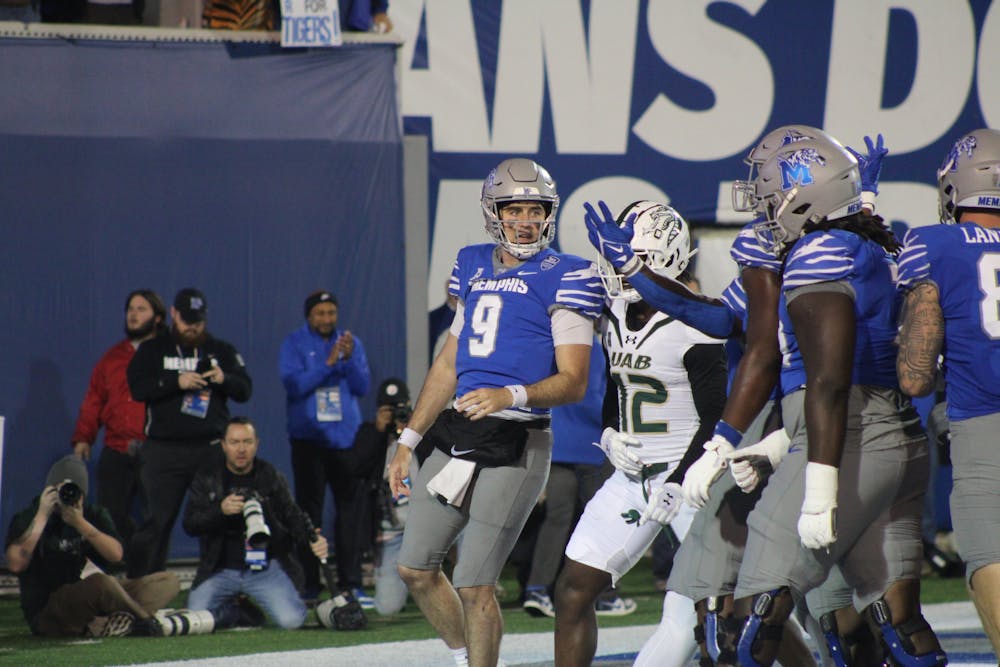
{"x":706,"y":566}
{"x":856,"y":442}
{"x":671,"y":385}
{"x":519,"y":345}
{"x":949,"y":274}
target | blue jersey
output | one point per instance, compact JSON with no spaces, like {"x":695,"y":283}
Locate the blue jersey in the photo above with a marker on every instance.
{"x":869,"y":271}
{"x":963,"y":260}
{"x":735,"y":298}
{"x":747,"y":252}
{"x":506,"y":337}
{"x":577,"y":426}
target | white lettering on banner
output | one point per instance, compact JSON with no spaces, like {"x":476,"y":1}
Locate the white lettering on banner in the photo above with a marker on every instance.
{"x":946,"y":39}
{"x":313,"y":23}
{"x":589,"y":75}
{"x":988,"y":83}
{"x":731,"y":65}
{"x":450,"y":90}
{"x":616,"y":191}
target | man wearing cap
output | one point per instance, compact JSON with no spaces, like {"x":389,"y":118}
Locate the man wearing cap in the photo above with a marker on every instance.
{"x":109,"y":403}
{"x":185,"y":377}
{"x":48,"y":545}
{"x":383,"y":516}
{"x":325,"y":371}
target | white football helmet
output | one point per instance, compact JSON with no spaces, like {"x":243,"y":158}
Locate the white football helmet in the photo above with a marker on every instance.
{"x":970,"y":175}
{"x":520,"y":179}
{"x":743,"y":191}
{"x":805,"y":181}
{"x":662,"y":240}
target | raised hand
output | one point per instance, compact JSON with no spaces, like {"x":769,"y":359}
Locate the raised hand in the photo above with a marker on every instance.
{"x":871,"y":164}
{"x":612,"y":241}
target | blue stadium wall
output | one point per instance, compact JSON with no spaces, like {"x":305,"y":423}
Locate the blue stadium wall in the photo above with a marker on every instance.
{"x":255,"y":174}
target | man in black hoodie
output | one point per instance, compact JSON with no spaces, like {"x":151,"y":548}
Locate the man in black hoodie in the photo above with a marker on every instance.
{"x":185,"y":377}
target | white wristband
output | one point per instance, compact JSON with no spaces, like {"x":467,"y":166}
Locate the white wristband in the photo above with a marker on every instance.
{"x":520,"y":395}
{"x":868,"y":201}
{"x":409,"y":438}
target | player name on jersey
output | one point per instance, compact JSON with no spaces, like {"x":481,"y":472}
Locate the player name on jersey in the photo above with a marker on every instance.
{"x":981,"y":235}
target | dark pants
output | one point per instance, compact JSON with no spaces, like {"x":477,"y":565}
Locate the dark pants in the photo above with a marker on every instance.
{"x":117,"y":490}
{"x":314,"y":467}
{"x":72,"y":607}
{"x":166,"y":471}
{"x":569,"y":489}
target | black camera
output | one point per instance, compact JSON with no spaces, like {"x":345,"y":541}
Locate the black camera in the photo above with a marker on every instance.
{"x":205,"y":364}
{"x":402,"y":412}
{"x":69,"y":493}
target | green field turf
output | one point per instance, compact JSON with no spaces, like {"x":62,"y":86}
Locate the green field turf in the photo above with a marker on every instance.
{"x":19,"y":647}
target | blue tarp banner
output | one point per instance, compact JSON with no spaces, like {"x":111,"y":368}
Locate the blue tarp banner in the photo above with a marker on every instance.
{"x":255,"y":174}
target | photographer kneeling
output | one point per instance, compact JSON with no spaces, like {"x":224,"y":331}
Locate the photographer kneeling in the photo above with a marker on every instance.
{"x":48,"y":546}
{"x":246,"y":519}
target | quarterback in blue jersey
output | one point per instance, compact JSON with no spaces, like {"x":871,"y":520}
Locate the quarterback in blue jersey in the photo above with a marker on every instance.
{"x":519,"y":345}
{"x":950,"y":275}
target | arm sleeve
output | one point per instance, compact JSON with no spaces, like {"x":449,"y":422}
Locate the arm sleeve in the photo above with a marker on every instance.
{"x":202,"y":515}
{"x":298,"y":380}
{"x":147,"y":379}
{"x":706,"y":367}
{"x":88,"y":422}
{"x":569,"y":327}
{"x":359,"y":376}
{"x":237,"y":383}
{"x":290,"y":514}
{"x":711,"y":317}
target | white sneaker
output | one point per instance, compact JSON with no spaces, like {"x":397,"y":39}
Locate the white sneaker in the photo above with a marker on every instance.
{"x":539,"y":604}
{"x":617,"y":606}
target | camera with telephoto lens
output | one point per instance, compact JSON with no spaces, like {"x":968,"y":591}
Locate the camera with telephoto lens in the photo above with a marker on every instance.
{"x":257,"y":531}
{"x":69,"y":493}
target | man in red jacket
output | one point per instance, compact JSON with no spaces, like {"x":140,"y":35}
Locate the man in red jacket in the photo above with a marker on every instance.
{"x":109,"y":403}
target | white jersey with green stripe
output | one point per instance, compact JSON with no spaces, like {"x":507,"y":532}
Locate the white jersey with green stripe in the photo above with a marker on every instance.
{"x":655,"y":398}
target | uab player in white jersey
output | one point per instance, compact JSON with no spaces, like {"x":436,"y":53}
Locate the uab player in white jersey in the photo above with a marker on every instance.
{"x":671,"y":384}
{"x":519,"y":344}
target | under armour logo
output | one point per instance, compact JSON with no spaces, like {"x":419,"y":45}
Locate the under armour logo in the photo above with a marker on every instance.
{"x":631,"y":340}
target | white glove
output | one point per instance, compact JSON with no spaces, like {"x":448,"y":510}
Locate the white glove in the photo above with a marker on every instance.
{"x":616,"y":446}
{"x":663,"y":505}
{"x":818,"y":520}
{"x":703,"y":472}
{"x":749,"y":464}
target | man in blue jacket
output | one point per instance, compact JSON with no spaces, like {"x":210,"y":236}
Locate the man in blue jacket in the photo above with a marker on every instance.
{"x":324,"y":371}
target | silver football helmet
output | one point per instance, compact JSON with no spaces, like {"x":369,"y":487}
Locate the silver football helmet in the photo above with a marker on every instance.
{"x":520,"y":179}
{"x":662,"y":240}
{"x":743,"y":199}
{"x":805,"y":181}
{"x":970,"y":175}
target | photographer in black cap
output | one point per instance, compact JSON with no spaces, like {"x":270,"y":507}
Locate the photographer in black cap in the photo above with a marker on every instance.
{"x":185,"y":376}
{"x":382,"y":517}
{"x":48,"y":545}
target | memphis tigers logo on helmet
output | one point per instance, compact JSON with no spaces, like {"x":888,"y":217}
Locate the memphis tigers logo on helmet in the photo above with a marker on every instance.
{"x":967,"y":145}
{"x":796,"y":167}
